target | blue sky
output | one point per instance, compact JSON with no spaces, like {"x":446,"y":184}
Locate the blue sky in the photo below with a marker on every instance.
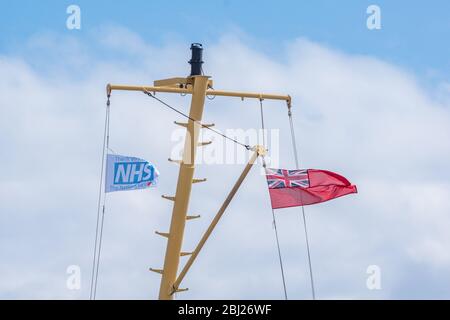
{"x":371,"y":105}
{"x":414,"y":33}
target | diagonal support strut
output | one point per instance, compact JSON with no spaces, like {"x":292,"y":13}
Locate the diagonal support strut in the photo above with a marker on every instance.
{"x":258,"y":151}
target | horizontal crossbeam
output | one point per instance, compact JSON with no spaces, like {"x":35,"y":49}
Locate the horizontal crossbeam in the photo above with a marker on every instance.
{"x":242,"y":95}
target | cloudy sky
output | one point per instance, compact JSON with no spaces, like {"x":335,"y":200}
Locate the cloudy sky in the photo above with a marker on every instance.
{"x":373,"y":105}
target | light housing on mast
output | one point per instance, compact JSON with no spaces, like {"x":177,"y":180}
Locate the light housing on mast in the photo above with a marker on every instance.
{"x":196,"y":59}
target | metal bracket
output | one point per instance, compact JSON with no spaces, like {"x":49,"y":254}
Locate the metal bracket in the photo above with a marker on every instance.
{"x":175,"y":161}
{"x":168,"y":198}
{"x":177,"y":290}
{"x":181,"y":124}
{"x":183,"y":254}
{"x":156,"y":270}
{"x":177,"y":82}
{"x":162,"y":234}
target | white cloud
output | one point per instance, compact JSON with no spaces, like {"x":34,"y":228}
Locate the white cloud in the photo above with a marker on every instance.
{"x":356,"y":115}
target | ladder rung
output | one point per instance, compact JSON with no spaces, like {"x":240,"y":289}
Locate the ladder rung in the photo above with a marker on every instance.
{"x":175,"y":161}
{"x":198,"y":180}
{"x":162,"y":234}
{"x":182,"y":124}
{"x":183,"y":254}
{"x":202,"y":144}
{"x":168,"y":198}
{"x":192,"y":217}
{"x":156,"y":270}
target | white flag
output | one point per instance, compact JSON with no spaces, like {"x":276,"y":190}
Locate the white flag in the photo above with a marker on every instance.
{"x":129,"y":173}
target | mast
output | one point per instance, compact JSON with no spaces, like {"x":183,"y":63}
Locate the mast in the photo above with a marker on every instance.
{"x":185,"y":177}
{"x":198,"y":85}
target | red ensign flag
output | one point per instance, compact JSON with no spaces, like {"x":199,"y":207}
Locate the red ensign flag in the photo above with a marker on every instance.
{"x":291,"y":188}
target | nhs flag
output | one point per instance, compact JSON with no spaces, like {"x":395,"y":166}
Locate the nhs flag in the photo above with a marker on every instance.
{"x":129,"y":173}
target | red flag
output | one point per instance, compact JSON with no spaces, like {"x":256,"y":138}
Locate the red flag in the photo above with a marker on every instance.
{"x":291,"y":188}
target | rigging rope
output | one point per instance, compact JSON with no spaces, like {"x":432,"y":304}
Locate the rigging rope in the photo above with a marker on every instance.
{"x":246,"y":146}
{"x":100,"y":218}
{"x":262,"y":121}
{"x":294,"y":145}
{"x":279,"y":254}
{"x":99,"y":248}
{"x":273,"y":213}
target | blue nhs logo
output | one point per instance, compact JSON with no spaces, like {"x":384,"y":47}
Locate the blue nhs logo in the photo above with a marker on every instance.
{"x":133,"y":172}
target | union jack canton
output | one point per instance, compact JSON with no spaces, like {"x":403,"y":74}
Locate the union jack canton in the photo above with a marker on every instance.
{"x":281,"y":178}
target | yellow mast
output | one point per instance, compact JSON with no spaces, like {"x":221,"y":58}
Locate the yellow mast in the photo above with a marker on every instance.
{"x":184,"y":187}
{"x":198,"y":86}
